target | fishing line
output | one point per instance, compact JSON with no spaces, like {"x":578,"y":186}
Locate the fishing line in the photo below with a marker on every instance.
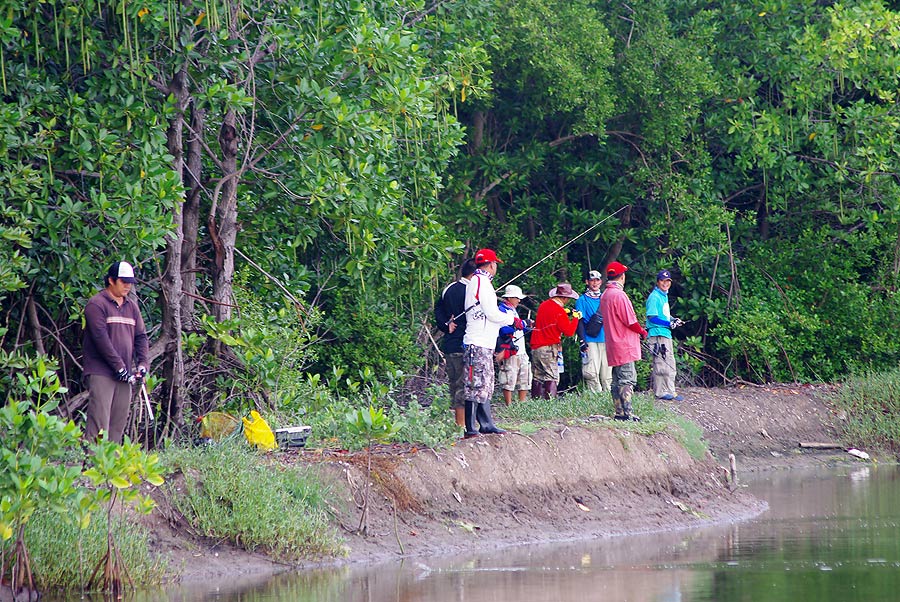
{"x":558,"y":249}
{"x":545,"y":258}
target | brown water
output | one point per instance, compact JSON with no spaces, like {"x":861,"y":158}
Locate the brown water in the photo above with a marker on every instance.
{"x":829,"y":535}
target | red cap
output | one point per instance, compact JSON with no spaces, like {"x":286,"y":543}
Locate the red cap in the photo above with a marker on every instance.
{"x":615,"y":269}
{"x":486,"y":256}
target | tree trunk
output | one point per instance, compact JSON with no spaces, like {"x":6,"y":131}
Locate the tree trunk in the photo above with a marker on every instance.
{"x":896,"y":271}
{"x":223,"y":225}
{"x":171,"y":281}
{"x":616,"y":247}
{"x":478,"y":120}
{"x":762,"y":215}
{"x":192,"y":179}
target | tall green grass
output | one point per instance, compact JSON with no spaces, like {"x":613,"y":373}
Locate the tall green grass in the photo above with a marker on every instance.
{"x":585,"y":406}
{"x":63,"y":556}
{"x":872,"y":404}
{"x":231,"y":493}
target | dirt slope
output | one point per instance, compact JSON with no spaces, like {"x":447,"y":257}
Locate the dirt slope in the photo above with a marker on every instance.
{"x":762,"y":424}
{"x":561,"y":483}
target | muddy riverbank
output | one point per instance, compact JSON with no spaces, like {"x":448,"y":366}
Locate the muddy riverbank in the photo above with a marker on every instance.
{"x":559,"y":484}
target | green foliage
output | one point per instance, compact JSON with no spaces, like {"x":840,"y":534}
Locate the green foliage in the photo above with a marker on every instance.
{"x":371,"y":341}
{"x":801,"y":318}
{"x":433,"y":425}
{"x":750,"y":147}
{"x":430,"y":424}
{"x":562,"y":51}
{"x":37,"y":482}
{"x":33,"y":445}
{"x":371,"y":425}
{"x":275,"y":344}
{"x":871,"y":402}
{"x":119,"y":470}
{"x":226,"y":492}
{"x":688,"y":434}
{"x":64,"y":553}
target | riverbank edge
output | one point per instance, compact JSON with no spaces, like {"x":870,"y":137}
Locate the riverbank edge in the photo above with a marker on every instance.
{"x":495,"y":492}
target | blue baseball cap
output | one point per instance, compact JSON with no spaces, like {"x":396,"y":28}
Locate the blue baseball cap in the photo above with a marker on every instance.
{"x":664,"y":275}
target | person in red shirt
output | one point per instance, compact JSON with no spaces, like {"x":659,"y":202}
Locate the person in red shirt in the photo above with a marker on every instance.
{"x":553,"y":320}
{"x":623,"y":339}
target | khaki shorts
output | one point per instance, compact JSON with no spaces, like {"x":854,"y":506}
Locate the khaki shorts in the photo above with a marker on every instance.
{"x":515,"y":373}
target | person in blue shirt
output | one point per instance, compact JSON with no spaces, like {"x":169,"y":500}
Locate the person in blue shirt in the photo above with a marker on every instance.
{"x":660,"y":324}
{"x":595,"y":370}
{"x":514,"y":373}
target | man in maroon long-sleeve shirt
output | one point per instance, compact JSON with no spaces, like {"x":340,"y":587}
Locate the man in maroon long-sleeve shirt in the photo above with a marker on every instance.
{"x":623,"y":339}
{"x":115,"y":341}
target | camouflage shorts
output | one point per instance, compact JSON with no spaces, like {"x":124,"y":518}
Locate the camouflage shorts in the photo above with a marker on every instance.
{"x":479,"y":373}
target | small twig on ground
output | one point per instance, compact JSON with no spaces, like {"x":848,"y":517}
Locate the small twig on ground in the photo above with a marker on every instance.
{"x":526,"y":436}
{"x":563,"y":432}
{"x":396,"y":529}
{"x":353,"y":489}
{"x":517,"y":518}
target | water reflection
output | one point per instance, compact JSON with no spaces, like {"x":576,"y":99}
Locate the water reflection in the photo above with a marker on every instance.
{"x":830,"y":535}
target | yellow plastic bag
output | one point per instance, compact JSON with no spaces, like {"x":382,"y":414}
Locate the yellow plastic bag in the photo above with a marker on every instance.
{"x":257,"y":431}
{"x":218,"y":425}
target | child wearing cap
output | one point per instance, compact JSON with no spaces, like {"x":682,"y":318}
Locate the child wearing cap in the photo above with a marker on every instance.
{"x":511,"y":355}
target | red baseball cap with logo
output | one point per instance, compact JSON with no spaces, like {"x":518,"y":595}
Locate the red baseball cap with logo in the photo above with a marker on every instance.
{"x":485,"y":256}
{"x":615,"y":269}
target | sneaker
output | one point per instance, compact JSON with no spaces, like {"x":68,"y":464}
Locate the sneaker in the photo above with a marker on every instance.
{"x":678,"y":398}
{"x":668,"y":397}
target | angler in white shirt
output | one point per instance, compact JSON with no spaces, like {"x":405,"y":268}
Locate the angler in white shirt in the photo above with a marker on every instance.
{"x":483,"y":322}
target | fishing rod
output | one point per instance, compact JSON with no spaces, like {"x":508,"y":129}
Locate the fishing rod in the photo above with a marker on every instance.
{"x":545,"y":258}
{"x":560,"y":248}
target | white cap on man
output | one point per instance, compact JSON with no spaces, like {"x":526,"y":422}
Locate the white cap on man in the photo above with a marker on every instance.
{"x":121,"y":270}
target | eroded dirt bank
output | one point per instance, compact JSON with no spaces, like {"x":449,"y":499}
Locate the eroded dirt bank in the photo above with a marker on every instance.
{"x":561,"y":483}
{"x":565,"y":483}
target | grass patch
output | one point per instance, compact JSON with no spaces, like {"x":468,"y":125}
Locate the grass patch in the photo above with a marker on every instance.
{"x":872,"y":404}
{"x":231,"y":493}
{"x":543,"y":411}
{"x":64,"y":556}
{"x":530,"y":415}
{"x":689,"y":435}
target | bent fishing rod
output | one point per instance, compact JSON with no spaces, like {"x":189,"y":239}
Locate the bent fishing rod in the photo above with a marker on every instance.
{"x":545,"y":258}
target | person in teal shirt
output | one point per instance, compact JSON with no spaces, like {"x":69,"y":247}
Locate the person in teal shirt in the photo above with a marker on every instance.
{"x":660,"y":324}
